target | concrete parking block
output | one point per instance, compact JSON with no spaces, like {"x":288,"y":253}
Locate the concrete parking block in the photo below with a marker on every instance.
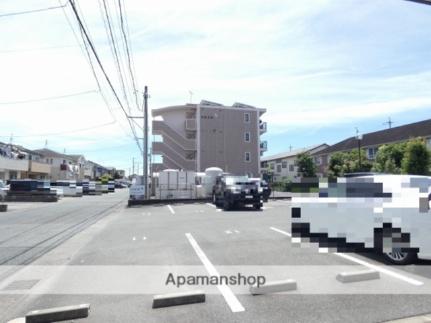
{"x":3,"y":207}
{"x":58,"y":314}
{"x":357,"y":276}
{"x":165,"y":300}
{"x":274,"y":287}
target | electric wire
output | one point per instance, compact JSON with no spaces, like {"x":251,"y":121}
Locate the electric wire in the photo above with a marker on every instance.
{"x":29,"y":11}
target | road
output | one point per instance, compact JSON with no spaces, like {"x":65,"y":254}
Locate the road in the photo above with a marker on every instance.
{"x":105,"y":262}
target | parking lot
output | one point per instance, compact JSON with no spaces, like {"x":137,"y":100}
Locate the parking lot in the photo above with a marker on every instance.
{"x":200,"y":236}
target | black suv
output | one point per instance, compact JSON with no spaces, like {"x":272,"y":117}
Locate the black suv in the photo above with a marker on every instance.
{"x":230,"y":191}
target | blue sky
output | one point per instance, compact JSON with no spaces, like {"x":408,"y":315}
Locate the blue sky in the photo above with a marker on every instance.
{"x":320,"y":68}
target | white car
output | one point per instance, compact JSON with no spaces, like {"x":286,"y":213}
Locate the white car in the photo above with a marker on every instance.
{"x":3,"y":190}
{"x":388,"y":214}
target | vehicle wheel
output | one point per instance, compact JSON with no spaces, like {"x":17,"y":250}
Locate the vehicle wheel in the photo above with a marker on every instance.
{"x":214,"y":199}
{"x":257,"y":206}
{"x":398,"y":257}
{"x":226,"y":205}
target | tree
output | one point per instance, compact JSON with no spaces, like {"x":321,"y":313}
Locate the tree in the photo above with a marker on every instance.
{"x":417,"y":157}
{"x":306,"y":165}
{"x":389,"y":158}
{"x":341,"y":163}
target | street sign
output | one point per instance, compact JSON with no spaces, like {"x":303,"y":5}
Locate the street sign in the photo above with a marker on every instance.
{"x":137,"y":190}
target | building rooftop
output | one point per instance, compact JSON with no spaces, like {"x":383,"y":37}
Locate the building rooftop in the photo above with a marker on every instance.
{"x":395,"y":134}
{"x":291,"y":153}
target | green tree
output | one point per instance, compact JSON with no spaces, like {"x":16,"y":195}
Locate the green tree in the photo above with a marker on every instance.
{"x":342,"y":163}
{"x":416,"y":159}
{"x":306,"y":165}
{"x":389,"y":158}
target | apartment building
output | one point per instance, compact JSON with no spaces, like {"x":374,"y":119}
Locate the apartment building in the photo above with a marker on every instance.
{"x":284,"y":165}
{"x":197,"y":136}
{"x":371,"y":142}
{"x":63,"y":167}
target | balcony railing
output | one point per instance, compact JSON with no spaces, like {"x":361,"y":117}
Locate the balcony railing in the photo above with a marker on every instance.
{"x":263,"y":146}
{"x":262,"y":127}
{"x":13,"y":164}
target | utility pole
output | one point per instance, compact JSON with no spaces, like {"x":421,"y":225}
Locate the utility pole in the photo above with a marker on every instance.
{"x":145,"y":138}
{"x":133,"y":166}
{"x":389,"y":122}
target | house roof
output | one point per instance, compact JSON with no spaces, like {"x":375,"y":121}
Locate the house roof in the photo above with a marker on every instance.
{"x":400,"y":133}
{"x":291,"y":153}
{"x":51,"y":153}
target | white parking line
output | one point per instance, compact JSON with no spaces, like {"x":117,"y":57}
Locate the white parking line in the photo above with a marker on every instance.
{"x":210,"y":204}
{"x":171,"y":209}
{"x":228,"y":232}
{"x":227,"y":293}
{"x":381,"y":269}
{"x":367,"y":264}
{"x":236,"y":231}
{"x":281,"y":231}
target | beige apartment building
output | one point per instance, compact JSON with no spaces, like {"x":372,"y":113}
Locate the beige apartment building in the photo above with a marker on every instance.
{"x":197,"y":136}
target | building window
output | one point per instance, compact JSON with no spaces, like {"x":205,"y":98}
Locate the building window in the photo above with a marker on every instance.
{"x":247,"y":157}
{"x":279,"y":168}
{"x":247,"y":117}
{"x":372,"y":152}
{"x":284,"y":164}
{"x":271,"y":166}
{"x":291,"y":168}
{"x":247,"y":137}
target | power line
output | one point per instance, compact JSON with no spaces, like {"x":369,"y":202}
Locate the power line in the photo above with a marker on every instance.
{"x":115,"y":52}
{"x":30,"y":11}
{"x":86,"y":53}
{"x":67,"y":132}
{"x":108,"y":80}
{"x":49,"y":98}
{"x":127,"y":46}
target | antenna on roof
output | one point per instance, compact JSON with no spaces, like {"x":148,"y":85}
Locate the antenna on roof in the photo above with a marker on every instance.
{"x":46,"y":143}
{"x":11,"y":139}
{"x":290,"y":148}
{"x":191,"y":96}
{"x":64,"y":150}
{"x":389,"y":122}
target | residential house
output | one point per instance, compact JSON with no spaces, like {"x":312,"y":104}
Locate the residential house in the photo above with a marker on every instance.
{"x":284,"y":165}
{"x":63,"y":167}
{"x":371,"y":142}
{"x":17,"y":162}
{"x":197,"y":136}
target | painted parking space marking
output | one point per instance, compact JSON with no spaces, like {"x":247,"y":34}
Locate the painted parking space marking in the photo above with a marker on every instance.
{"x":381,"y":269}
{"x":281,"y":231}
{"x":171,"y":209}
{"x":227,"y":293}
{"x":210,"y":204}
{"x":364,"y":263}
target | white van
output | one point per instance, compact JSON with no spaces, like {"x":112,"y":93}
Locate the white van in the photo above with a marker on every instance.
{"x":388,"y":214}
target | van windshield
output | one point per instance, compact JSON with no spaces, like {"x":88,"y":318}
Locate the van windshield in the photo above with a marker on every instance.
{"x":236,"y":180}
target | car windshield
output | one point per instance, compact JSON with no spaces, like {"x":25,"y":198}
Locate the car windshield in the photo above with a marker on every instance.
{"x":236,"y":180}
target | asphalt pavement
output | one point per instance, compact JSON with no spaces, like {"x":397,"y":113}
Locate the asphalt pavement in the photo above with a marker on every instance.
{"x":120,"y":260}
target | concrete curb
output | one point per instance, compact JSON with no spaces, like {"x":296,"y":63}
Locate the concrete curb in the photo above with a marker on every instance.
{"x":274,"y":287}
{"x":174,"y":299}
{"x":357,"y":276}
{"x":58,"y":314}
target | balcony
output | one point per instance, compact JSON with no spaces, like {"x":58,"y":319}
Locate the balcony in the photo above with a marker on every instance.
{"x":262,"y":127}
{"x":36,"y":167}
{"x":263,"y":146}
{"x":13,"y":164}
{"x":190,"y":124}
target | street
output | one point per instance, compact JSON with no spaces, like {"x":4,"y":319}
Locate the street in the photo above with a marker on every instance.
{"x":188,"y":236}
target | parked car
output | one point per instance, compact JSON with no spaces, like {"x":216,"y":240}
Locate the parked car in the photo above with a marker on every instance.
{"x":266,"y":190}
{"x":387,"y":214}
{"x":3,"y":190}
{"x":230,"y":191}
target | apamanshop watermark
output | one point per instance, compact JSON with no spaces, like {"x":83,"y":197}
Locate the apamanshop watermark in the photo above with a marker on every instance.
{"x":213,"y":280}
